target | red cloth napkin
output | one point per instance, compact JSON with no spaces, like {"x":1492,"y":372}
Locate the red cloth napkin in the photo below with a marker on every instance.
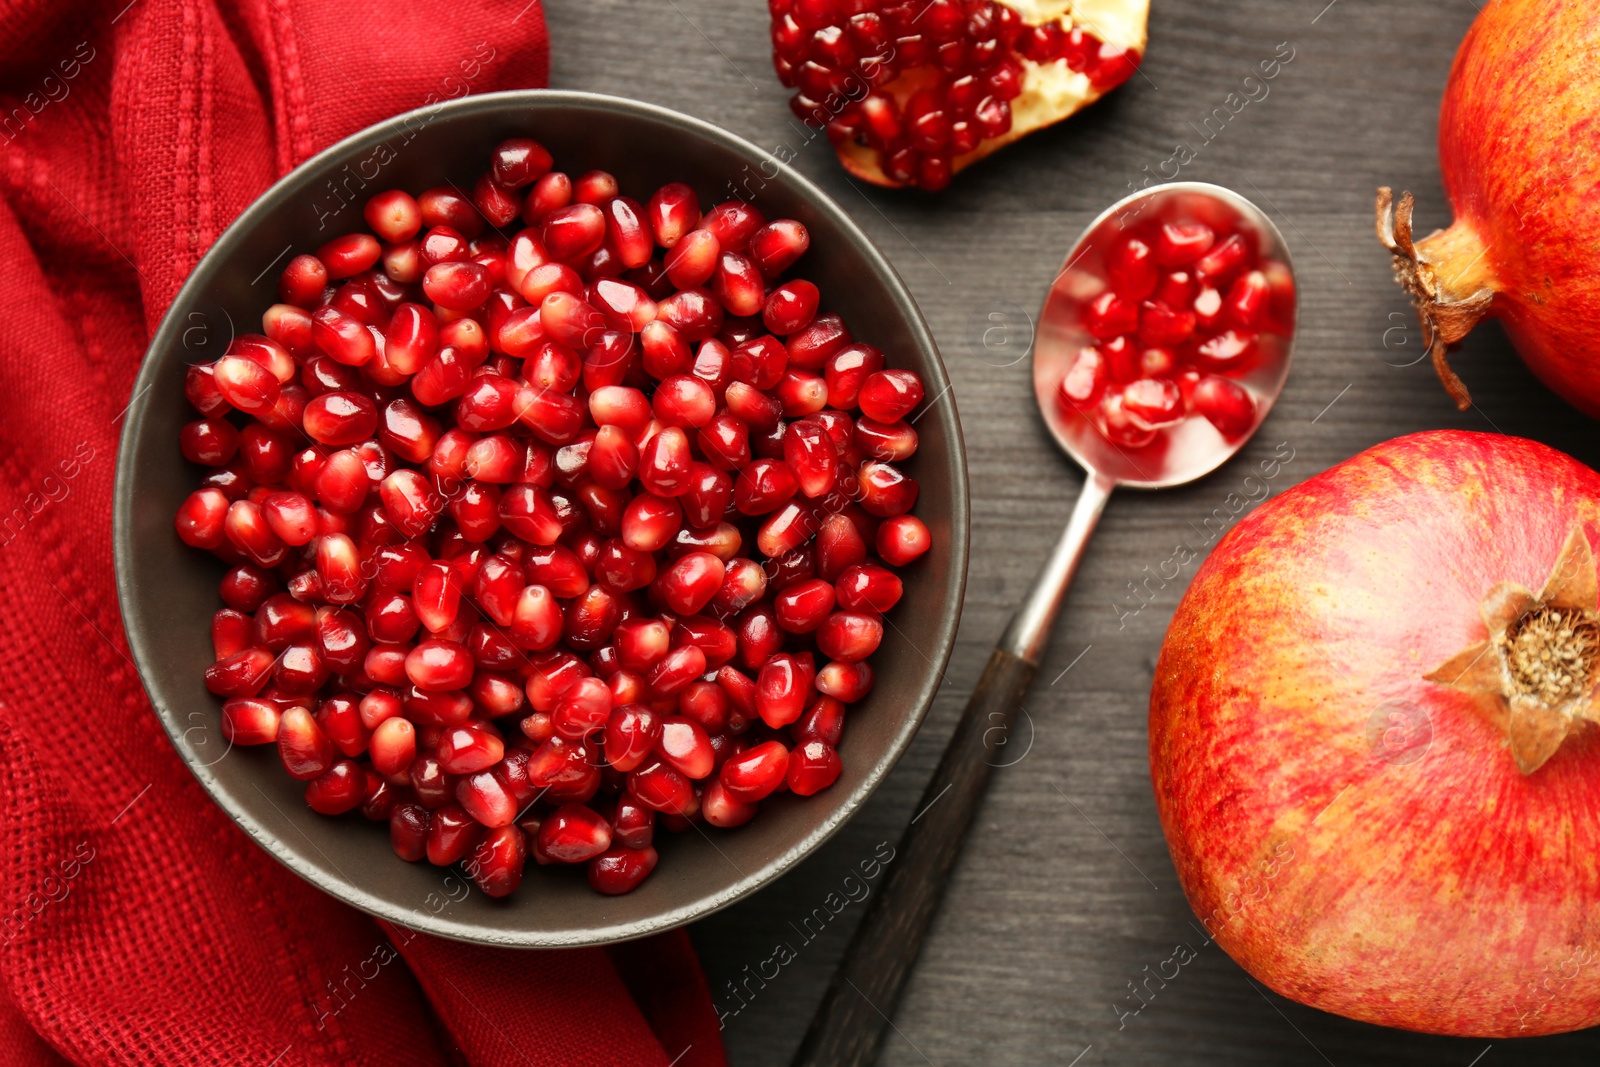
{"x":137,"y":924}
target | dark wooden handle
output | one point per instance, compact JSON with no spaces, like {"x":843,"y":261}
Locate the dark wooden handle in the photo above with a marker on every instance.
{"x":848,"y":1027}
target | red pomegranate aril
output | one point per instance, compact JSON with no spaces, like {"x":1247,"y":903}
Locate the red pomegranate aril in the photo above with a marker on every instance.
{"x":303,"y":282}
{"x":241,"y":674}
{"x":1153,"y":401}
{"x":408,"y":831}
{"x":721,"y":810}
{"x":694,"y":313}
{"x":486,"y":799}
{"x":665,"y":463}
{"x":626,"y":233}
{"x":1249,"y":301}
{"x":574,"y":833}
{"x":890,"y":395}
{"x":823,"y":721}
{"x":845,"y":372}
{"x":345,"y":338}
{"x":754,"y":774}
{"x":1120,"y":426}
{"x":777,"y":245}
{"x":620,"y":870}
{"x":246,"y":384}
{"x":393,"y":216}
{"x":340,"y":418}
{"x":684,"y":401}
{"x":1217,"y":267}
{"x":1181,"y":243}
{"x":649,"y":522}
{"x":677,"y":669}
{"x":447,"y":206}
{"x":201,"y":518}
{"x":849,"y":636}
{"x":452,"y":833}
{"x":246,"y":587}
{"x":685,"y":744}
{"x":583,"y":709}
{"x":393,"y":746}
{"x":673,"y":211}
{"x":743,"y":583}
{"x":208,"y":442}
{"x":496,"y":863}
{"x":800,"y":608}
{"x":737,"y":284}
{"x":518,"y":161}
{"x":813,"y":767}
{"x":304,"y":749}
{"x":631,"y":733}
{"x":1229,"y":352}
{"x":903,"y":539}
{"x":349,"y":255}
{"x":886,"y":491}
{"x":337,"y":790}
{"x":1161,"y":325}
{"x":1226,"y":404}
{"x":200,"y":389}
{"x":594,"y":187}
{"x":660,"y":787}
{"x":790,"y":307}
{"x":469,"y":748}
{"x":231,"y":631}
{"x":572,"y":232}
{"x":246,"y":721}
{"x":690,"y":583}
{"x":1110,"y":315}
{"x":1133,"y":270}
{"x":847,"y":682}
{"x":734,"y":222}
{"x":436,"y":665}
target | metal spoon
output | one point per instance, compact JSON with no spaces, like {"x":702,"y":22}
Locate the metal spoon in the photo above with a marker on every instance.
{"x":848,"y":1026}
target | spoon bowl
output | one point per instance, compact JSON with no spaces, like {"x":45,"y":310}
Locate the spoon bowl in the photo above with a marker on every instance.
{"x":1193,"y":448}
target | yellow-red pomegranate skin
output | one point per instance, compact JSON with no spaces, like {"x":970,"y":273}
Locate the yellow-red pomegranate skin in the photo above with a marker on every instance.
{"x":1330,"y":850}
{"x":1519,"y":145}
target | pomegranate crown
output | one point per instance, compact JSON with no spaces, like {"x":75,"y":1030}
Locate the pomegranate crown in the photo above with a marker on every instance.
{"x":1535,"y":676}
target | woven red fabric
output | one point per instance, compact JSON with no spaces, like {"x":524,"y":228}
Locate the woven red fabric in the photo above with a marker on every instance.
{"x":137,"y":923}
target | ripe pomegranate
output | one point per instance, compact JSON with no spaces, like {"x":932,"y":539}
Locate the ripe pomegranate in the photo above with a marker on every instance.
{"x":1372,"y":739}
{"x":535,"y":532}
{"x":912,"y":91}
{"x":1519,"y":171}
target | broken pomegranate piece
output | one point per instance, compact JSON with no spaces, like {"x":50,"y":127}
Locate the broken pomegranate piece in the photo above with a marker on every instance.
{"x":912,"y":91}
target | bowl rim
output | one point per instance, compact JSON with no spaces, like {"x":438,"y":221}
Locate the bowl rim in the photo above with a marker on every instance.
{"x":282,"y":192}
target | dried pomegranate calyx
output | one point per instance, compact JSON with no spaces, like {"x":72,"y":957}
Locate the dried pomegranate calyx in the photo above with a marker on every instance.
{"x":1448,"y":277}
{"x":1536,"y":677}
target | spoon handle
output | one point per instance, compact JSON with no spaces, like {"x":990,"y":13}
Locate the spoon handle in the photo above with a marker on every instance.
{"x":848,"y":1026}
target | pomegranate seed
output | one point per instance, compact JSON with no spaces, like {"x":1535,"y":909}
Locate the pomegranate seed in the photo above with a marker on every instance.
{"x":620,"y":870}
{"x":339,"y":789}
{"x":486,"y":799}
{"x":823,"y":721}
{"x":790,"y":307}
{"x":1220,"y":264}
{"x":574,"y":833}
{"x":721,"y":810}
{"x":846,"y":682}
{"x":890,"y":395}
{"x":306,"y":752}
{"x":496,"y":863}
{"x":813,"y":767}
{"x":250,"y":722}
{"x":631,"y":733}
{"x":1110,"y":315}
{"x":1226,"y":405}
{"x":754,"y":774}
{"x":660,"y":787}
{"x":1229,"y":352}
{"x":776,"y":246}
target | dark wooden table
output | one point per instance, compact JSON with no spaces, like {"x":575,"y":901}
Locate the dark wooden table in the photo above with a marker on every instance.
{"x":1065,"y":895}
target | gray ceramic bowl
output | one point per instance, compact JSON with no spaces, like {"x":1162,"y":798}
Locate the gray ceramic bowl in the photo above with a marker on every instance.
{"x":168,"y":591}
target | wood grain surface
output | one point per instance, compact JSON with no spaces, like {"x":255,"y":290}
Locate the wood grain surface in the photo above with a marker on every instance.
{"x":1064,"y":894}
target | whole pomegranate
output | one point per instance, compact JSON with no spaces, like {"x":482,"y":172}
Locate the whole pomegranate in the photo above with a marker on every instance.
{"x":1372,"y":746}
{"x":1520,"y":163}
{"x":911,"y":91}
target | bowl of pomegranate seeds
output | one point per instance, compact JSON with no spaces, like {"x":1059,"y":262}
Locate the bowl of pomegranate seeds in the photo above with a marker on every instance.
{"x":1168,"y":332}
{"x":530,"y":542}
